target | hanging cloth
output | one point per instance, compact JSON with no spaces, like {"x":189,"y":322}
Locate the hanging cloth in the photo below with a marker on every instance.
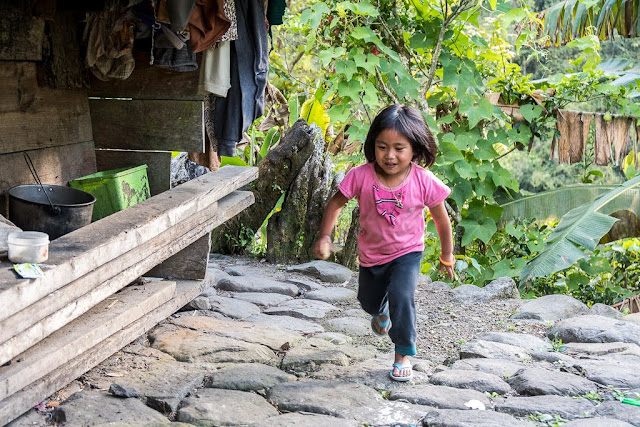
{"x":602,"y":140}
{"x":621,"y":127}
{"x":207,"y":24}
{"x":230,"y":12}
{"x":209,"y":158}
{"x":575,"y":139}
{"x":215,"y":70}
{"x":562,"y":124}
{"x":586,"y":119}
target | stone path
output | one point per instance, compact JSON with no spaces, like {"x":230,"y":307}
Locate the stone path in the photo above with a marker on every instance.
{"x":259,"y":349}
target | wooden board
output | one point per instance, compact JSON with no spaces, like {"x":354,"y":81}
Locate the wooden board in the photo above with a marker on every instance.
{"x":149,"y":82}
{"x":188,"y":264}
{"x":33,"y":117}
{"x":82,"y":251}
{"x":98,"y":324}
{"x":62,"y":62}
{"x":55,"y":165}
{"x":21,"y":33}
{"x":32,"y":324}
{"x":23,"y":400}
{"x":148,"y":124}
{"x":158,"y":165}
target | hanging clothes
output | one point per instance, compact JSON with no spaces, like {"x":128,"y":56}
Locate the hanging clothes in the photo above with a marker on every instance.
{"x":602,"y":140}
{"x":576,"y":141}
{"x":207,"y":24}
{"x":249,"y":63}
{"x":215,"y":70}
{"x":586,"y":119}
{"x":562,"y":124}
{"x":229,"y":7}
{"x":179,"y":12}
{"x":209,"y":158}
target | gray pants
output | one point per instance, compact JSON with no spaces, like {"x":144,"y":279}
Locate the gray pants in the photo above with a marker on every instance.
{"x":390,"y":288}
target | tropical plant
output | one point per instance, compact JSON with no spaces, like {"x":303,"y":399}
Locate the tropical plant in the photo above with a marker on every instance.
{"x":582,"y":227}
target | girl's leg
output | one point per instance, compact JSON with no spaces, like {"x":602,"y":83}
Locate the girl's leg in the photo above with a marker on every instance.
{"x":403,"y":280}
{"x":372,"y":294}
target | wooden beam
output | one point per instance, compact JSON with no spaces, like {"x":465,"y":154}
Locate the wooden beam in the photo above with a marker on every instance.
{"x":98,"y":324}
{"x":21,"y":33}
{"x":82,"y":251}
{"x":148,"y":124}
{"x":55,"y":166}
{"x":188,"y":264}
{"x":32,"y":324}
{"x":158,"y":165}
{"x":150,"y":82}
{"x":33,"y":117}
{"x":23,"y":400}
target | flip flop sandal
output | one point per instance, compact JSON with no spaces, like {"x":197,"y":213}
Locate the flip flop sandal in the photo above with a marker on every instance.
{"x":400,"y":368}
{"x":381,"y":325}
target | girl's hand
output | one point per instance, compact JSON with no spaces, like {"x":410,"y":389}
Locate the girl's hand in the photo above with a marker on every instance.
{"x":447,"y":263}
{"x":322,"y":247}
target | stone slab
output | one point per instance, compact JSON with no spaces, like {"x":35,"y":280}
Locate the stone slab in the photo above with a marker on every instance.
{"x":356,"y":326}
{"x":218,"y":407}
{"x":247,"y":377}
{"x":330,"y":294}
{"x":302,"y":309}
{"x":232,"y":307}
{"x":256,"y":284}
{"x":288,"y":323}
{"x":323,"y":270}
{"x":261,"y":299}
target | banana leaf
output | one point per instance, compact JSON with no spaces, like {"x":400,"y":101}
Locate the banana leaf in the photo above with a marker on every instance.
{"x":556,"y":203}
{"x":583,"y":226}
{"x":571,"y":19}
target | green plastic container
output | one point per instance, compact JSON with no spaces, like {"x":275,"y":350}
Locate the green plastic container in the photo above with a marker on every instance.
{"x":115,"y":189}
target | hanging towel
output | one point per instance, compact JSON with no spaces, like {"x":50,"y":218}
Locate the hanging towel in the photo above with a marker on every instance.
{"x":621,"y":127}
{"x":602,"y":140}
{"x":576,"y":141}
{"x":215,"y":70}
{"x":230,"y":12}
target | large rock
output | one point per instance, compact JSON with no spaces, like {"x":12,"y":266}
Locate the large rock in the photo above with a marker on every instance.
{"x":565,"y":407}
{"x":88,"y":408}
{"x":620,"y":411}
{"x":493,"y":350}
{"x":287,"y":322}
{"x":217,"y":407}
{"x":538,"y":381}
{"x":261,"y":299}
{"x":302,"y":309}
{"x":500,"y":367}
{"x":256,"y":284}
{"x":615,"y":370}
{"x":527,"y":341}
{"x":502,"y":288}
{"x":595,"y":329}
{"x":474,"y":380}
{"x":457,"y":417}
{"x":357,"y":326}
{"x":233,"y":308}
{"x":599,"y":309}
{"x":551,"y":308}
{"x":323,"y":270}
{"x":344,"y":400}
{"x":306,"y":285}
{"x":441,"y":397}
{"x":306,"y":419}
{"x":247,"y":377}
{"x":330,"y":294}
{"x":597,"y":422}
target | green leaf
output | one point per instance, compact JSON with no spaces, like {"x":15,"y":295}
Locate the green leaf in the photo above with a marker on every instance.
{"x":504,"y":268}
{"x":514,"y":231}
{"x":233,"y":161}
{"x":294,"y":107}
{"x":464,"y":169}
{"x":450,"y":152}
{"x":313,"y":112}
{"x":363,"y":33}
{"x":462,"y":191}
{"x":583,"y":226}
{"x":530,"y":111}
{"x":348,"y":68}
{"x":482,"y":229}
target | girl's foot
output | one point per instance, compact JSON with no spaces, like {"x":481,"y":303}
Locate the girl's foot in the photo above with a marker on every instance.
{"x":380,"y":324}
{"x":401,"y":368}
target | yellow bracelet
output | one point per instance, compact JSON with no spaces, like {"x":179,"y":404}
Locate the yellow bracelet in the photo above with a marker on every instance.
{"x":448,"y":264}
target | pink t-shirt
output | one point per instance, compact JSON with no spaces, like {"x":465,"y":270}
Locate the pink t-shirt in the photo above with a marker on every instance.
{"x":391,"y":222}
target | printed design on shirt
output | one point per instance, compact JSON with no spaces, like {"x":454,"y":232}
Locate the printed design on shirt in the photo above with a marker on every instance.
{"x":388,"y":203}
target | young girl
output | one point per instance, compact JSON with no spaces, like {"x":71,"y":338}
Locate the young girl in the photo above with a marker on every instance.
{"x":392,"y":192}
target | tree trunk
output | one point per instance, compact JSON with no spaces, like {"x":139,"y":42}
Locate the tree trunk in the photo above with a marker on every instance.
{"x":277,"y":171}
{"x":349,"y":254}
{"x":292,"y":231}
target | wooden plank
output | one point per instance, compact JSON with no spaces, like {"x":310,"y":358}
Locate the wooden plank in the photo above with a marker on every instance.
{"x":188,"y":264}
{"x":97,"y":324}
{"x":62,"y":60}
{"x":21,"y":33}
{"x":79,"y":252}
{"x":55,"y":165}
{"x":23,"y":400}
{"x":148,"y":124}
{"x":150,"y":82}
{"x":31,"y":325}
{"x":158,"y":165}
{"x":33,"y":117}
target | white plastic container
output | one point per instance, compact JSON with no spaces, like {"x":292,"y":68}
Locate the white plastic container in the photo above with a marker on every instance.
{"x":28,"y":247}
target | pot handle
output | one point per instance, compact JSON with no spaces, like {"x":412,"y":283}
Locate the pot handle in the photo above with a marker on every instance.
{"x":54,"y":209}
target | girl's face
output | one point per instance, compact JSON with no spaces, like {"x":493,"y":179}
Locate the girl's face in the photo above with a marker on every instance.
{"x":393,"y":154}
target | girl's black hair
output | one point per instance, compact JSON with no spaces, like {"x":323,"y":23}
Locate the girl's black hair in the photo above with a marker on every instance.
{"x":408,"y":122}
